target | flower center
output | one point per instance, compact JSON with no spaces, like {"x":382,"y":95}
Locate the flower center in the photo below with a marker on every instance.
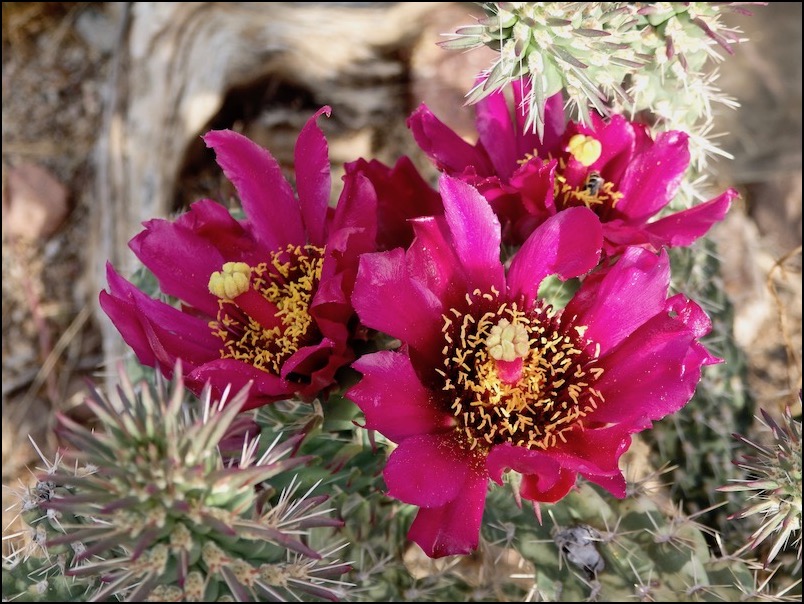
{"x":516,"y":377}
{"x":595,"y":193}
{"x":263,"y":311}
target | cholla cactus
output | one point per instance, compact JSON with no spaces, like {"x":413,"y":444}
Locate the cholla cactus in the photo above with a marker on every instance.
{"x":593,"y":547}
{"x":152,"y":507}
{"x":773,"y":476}
{"x":611,"y":56}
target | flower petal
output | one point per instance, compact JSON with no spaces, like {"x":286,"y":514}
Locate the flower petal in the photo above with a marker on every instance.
{"x":475,"y":232}
{"x":140,"y":320}
{"x":505,"y":457}
{"x":312,"y":368}
{"x":655,"y":370}
{"x":454,"y":528}
{"x":308,"y":360}
{"x":393,"y":398}
{"x":402,"y":194}
{"x":654,"y":176}
{"x":543,"y":478}
{"x":184,"y":253}
{"x":265,"y":194}
{"x":221,"y":373}
{"x":534,"y":487}
{"x":617,"y":140}
{"x":313,"y":181}
{"x":448,"y":150}
{"x":428,"y":470}
{"x":496,"y":130}
{"x":386,"y":298}
{"x":595,"y":453}
{"x":615,"y":302}
{"x":353,"y":228}
{"x":352,"y":232}
{"x":568,"y":244}
{"x":432,"y":259}
{"x":684,"y":228}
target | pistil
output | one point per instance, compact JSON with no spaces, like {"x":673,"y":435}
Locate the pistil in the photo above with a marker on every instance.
{"x":233,"y":283}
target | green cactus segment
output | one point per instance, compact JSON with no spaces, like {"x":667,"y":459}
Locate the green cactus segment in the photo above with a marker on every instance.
{"x":696,"y":438}
{"x":592,"y":547}
{"x":772,"y":476}
{"x":626,"y":57}
{"x":147,"y":508}
{"x":34,"y":580}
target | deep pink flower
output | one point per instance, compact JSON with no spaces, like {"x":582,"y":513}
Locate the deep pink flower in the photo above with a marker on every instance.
{"x":402,"y":194}
{"x":613,"y":168}
{"x":266,"y":298}
{"x":489,"y":378}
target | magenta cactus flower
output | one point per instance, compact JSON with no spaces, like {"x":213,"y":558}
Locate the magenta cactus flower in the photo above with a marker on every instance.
{"x":490,"y":378}
{"x":613,"y":168}
{"x":264,"y":299}
{"x":402,"y":194}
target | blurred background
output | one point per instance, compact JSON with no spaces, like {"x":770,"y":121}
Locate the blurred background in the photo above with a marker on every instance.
{"x":104,"y":104}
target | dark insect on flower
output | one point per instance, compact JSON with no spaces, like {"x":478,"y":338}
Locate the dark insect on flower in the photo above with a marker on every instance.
{"x":594,"y":182}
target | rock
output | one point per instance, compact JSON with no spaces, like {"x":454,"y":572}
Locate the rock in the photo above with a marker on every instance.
{"x":35,"y":203}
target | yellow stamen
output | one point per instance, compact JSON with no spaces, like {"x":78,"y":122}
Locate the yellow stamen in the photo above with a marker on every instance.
{"x":263,"y":315}
{"x":585,"y":149}
{"x":527,"y":158}
{"x":515,"y":376}
{"x":230,"y":282}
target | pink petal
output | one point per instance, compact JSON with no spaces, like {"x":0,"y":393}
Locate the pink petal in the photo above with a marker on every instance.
{"x":313,"y":181}
{"x":655,"y":370}
{"x":331,"y":307}
{"x":535,"y":488}
{"x":534,"y":183}
{"x":449,"y":151}
{"x":568,"y":244}
{"x":265,"y":194}
{"x":618,"y":234}
{"x":506,"y":457}
{"x":352,"y":232}
{"x":212,"y":222}
{"x":432,"y":259}
{"x":312,"y":368}
{"x":454,"y":528}
{"x":617,"y":139}
{"x":615,"y":303}
{"x":616,"y":484}
{"x":183,"y":254}
{"x":691,"y":315}
{"x":653,"y":177}
{"x":393,"y":398}
{"x":266,"y":387}
{"x":353,"y":229}
{"x":387,"y":298}
{"x":543,"y":478}
{"x":497,"y":135}
{"x":157,"y":332}
{"x":402,"y":194}
{"x":684,"y":228}
{"x":595,"y":453}
{"x":428,"y":470}
{"x":308,"y":359}
{"x":475,"y":233}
